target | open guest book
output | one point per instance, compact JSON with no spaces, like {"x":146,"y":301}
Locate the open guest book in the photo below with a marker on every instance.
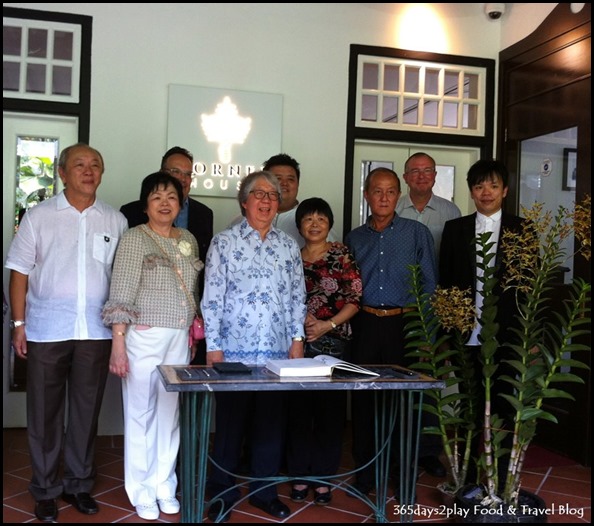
{"x":321,"y":365}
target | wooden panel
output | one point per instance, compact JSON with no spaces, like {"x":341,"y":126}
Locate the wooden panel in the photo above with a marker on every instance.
{"x":544,"y":86}
{"x":549,"y":72}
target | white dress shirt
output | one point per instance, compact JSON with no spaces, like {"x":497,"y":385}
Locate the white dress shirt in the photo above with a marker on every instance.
{"x":67,"y":256}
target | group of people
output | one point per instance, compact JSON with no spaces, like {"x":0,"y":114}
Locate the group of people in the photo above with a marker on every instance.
{"x":269,"y":286}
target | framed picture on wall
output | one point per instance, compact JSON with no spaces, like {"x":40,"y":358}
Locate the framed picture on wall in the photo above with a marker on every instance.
{"x":569,"y":168}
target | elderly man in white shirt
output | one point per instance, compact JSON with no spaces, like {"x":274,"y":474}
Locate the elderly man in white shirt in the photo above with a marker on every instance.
{"x":60,"y":262}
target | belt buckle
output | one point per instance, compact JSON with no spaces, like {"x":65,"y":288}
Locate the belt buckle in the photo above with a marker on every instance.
{"x":383,"y":312}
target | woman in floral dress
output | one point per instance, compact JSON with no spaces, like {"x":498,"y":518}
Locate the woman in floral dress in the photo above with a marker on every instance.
{"x":317,"y":418}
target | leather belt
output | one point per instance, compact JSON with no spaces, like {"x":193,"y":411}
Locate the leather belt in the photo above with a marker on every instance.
{"x":387,"y":312}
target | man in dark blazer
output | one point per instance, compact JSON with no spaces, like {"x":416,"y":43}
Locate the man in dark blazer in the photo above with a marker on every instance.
{"x":194,"y":216}
{"x":488,"y":185}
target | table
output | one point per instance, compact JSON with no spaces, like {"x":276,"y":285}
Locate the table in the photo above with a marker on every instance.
{"x":395,"y":395}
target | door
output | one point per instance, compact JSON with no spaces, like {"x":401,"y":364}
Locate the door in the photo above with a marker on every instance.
{"x":545,"y":132}
{"x":451,"y":161}
{"x":17,"y":127}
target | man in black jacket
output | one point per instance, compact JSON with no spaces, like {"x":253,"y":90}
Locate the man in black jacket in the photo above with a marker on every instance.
{"x":194,"y":216}
{"x":458,"y":267}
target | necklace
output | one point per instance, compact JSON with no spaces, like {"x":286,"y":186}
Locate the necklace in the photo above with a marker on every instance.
{"x":172,"y":234}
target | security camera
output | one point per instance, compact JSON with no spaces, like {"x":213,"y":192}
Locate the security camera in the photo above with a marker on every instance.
{"x":494,"y":11}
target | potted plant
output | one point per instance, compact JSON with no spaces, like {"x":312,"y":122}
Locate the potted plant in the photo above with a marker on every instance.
{"x":546,"y":346}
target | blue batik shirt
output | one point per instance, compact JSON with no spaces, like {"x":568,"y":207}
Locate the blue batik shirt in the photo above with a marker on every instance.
{"x":254,"y":294}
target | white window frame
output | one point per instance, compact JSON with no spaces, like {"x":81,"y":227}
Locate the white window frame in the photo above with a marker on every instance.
{"x":51,"y":27}
{"x":462,"y":98}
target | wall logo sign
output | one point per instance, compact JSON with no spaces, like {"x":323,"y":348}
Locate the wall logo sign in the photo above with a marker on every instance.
{"x":230,"y":132}
{"x":226,"y":128}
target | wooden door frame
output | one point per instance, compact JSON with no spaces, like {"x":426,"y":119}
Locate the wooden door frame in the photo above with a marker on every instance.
{"x":355,"y":133}
{"x":539,"y":88}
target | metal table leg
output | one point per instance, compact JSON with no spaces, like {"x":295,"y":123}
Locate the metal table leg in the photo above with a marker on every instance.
{"x":386,"y":412}
{"x":195,"y":414}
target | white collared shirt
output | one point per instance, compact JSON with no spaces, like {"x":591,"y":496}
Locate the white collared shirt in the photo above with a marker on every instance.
{"x":67,"y":256}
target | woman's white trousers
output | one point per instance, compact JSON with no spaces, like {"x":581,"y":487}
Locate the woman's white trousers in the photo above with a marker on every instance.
{"x":151,"y":414}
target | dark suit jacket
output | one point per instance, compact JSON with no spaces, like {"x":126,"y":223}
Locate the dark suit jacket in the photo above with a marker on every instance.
{"x":457,"y":265}
{"x":200,"y":222}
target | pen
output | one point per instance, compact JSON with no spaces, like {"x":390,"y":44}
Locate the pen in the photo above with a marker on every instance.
{"x":205,"y":372}
{"x":188,"y":372}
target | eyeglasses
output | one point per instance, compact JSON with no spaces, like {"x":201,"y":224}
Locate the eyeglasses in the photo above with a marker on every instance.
{"x":176,"y":172}
{"x":260,"y":194}
{"x":417,"y":171}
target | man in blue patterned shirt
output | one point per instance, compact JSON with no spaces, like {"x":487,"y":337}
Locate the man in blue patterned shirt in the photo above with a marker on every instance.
{"x":254,"y":310}
{"x":384,"y":247}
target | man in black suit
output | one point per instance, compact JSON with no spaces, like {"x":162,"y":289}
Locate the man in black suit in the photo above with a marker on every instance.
{"x":488,"y":185}
{"x":194,"y":216}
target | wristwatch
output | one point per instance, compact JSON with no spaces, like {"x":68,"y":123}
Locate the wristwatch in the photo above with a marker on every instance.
{"x":298,"y":338}
{"x":332,"y":323}
{"x":16,"y":323}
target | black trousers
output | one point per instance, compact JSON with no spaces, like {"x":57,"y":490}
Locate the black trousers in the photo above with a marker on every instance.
{"x":261,"y":418}
{"x":379,"y":340}
{"x":315,"y":433}
{"x":73,"y":370}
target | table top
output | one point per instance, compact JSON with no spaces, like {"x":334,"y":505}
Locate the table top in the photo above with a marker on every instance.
{"x":261,"y":379}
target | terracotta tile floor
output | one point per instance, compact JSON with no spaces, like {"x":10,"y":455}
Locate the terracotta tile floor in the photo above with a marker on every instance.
{"x":558,"y":480}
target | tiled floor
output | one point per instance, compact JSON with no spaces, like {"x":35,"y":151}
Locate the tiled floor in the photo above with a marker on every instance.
{"x":564,"y":486}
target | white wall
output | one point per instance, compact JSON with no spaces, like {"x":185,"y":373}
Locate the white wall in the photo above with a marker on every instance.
{"x":298,"y":50}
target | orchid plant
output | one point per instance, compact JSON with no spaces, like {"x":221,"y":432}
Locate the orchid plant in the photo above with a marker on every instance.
{"x":546,"y":351}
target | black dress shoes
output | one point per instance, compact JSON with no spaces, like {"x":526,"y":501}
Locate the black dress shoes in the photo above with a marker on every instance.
{"x":433,"y":466}
{"x":274,"y":507}
{"x":299,"y":495}
{"x":215,"y":510}
{"x":46,"y":510}
{"x":322,"y":499}
{"x":83,"y":502}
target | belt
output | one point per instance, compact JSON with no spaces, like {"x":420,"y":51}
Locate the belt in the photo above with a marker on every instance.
{"x":387,"y":312}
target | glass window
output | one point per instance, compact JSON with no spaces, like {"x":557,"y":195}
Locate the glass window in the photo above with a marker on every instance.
{"x":11,"y":37}
{"x":432,"y":82}
{"x":430,"y":113}
{"x":36,"y":78}
{"x":471,"y":86}
{"x":370,"y":108}
{"x":63,"y":45}
{"x":37,"y":43}
{"x":450,"y":85}
{"x":37,"y":162}
{"x":46,"y":66}
{"x":391,"y":78}
{"x":411,"y":79}
{"x":62,"y":80}
{"x":403,"y":94}
{"x":390,"y":110}
{"x":371,"y":76}
{"x":411,"y":111}
{"x":450,"y":114}
{"x":11,"y":71}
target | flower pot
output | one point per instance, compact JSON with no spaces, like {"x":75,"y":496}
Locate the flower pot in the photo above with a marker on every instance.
{"x":447,"y":494}
{"x":531,"y":508}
